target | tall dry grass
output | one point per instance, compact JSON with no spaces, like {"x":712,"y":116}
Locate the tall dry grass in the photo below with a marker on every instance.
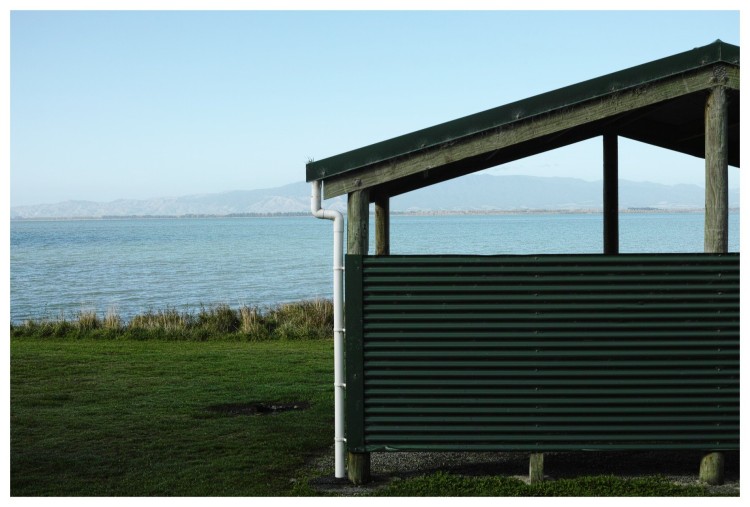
{"x":169,"y":320}
{"x":313,"y":318}
{"x":293,"y":321}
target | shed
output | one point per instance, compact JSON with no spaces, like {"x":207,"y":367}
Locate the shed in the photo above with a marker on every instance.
{"x":541,"y":353}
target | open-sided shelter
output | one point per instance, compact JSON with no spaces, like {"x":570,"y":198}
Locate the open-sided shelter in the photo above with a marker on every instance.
{"x":543,"y":353}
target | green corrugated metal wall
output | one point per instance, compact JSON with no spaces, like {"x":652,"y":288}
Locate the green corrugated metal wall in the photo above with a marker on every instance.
{"x":543,"y":353}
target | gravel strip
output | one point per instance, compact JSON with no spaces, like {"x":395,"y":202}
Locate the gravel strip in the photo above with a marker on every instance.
{"x":679,"y":467}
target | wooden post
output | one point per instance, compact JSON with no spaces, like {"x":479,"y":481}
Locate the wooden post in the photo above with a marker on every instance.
{"x":717,"y":167}
{"x":611,"y":201}
{"x":358,"y":467}
{"x":536,"y":467}
{"x":358,"y":222}
{"x":382,"y":227}
{"x":716,"y":238}
{"x":357,"y":236}
{"x":712,"y":469}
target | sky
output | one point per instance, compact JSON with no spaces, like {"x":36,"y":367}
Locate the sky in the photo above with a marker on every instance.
{"x":140,"y":104}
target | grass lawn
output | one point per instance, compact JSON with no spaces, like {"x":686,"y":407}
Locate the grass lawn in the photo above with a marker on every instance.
{"x":443,"y":484}
{"x":133,"y":418}
{"x":122,"y":417}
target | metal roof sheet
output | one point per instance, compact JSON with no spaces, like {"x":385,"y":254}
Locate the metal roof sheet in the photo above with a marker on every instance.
{"x":524,"y":109}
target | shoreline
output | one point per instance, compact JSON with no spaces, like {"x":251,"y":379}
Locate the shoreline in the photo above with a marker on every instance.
{"x":413,"y":213}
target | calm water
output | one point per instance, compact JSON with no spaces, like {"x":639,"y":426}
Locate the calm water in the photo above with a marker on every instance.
{"x":131,"y":266}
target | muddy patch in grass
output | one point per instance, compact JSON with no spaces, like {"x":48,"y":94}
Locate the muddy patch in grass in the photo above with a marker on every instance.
{"x":258,"y":408}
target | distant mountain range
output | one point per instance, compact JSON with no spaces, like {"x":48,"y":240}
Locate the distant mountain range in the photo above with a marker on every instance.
{"x":480,"y":192}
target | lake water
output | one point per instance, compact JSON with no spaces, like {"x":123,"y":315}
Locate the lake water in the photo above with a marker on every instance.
{"x":132,"y":266}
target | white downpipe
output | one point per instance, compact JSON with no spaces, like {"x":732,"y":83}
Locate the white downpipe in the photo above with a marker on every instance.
{"x":338,"y":324}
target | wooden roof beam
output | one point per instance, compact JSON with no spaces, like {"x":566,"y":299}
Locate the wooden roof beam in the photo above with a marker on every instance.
{"x":507,"y":136}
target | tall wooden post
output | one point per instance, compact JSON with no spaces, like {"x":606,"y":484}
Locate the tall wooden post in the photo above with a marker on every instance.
{"x":716,"y":237}
{"x":357,"y":238}
{"x":382,"y":226}
{"x":717,"y":167}
{"x":611,"y":202}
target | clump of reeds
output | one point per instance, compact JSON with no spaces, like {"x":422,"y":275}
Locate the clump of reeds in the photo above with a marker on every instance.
{"x":88,"y":321}
{"x":112,"y":320}
{"x":219,"y":319}
{"x":306,"y":319}
{"x":292,"y":321}
{"x":253,"y":324}
{"x":169,"y":320}
{"x":45,"y":328}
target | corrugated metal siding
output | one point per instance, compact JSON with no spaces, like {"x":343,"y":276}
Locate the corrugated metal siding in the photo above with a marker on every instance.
{"x":546,"y":352}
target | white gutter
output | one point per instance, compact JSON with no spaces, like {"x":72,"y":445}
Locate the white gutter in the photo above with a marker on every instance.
{"x":338,"y":324}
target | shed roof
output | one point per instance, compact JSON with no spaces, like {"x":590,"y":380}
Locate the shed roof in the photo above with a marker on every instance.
{"x":660,"y":103}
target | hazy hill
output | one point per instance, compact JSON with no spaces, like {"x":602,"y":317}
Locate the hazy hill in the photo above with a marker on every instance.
{"x":480,"y":192}
{"x":486,"y":192}
{"x":289,"y":198}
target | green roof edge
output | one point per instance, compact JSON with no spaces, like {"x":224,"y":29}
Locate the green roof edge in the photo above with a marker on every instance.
{"x":476,"y":123}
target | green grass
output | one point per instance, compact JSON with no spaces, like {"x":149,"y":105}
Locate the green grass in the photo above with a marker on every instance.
{"x":132,"y":418}
{"x":443,"y":484}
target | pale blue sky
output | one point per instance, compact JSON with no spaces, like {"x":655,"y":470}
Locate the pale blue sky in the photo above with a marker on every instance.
{"x":108,"y":105}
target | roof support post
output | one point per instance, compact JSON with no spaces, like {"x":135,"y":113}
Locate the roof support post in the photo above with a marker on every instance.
{"x":716,"y":237}
{"x":357,"y":237}
{"x":358,"y":222}
{"x":611,"y":191}
{"x":717,"y":153}
{"x":382,"y":226}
